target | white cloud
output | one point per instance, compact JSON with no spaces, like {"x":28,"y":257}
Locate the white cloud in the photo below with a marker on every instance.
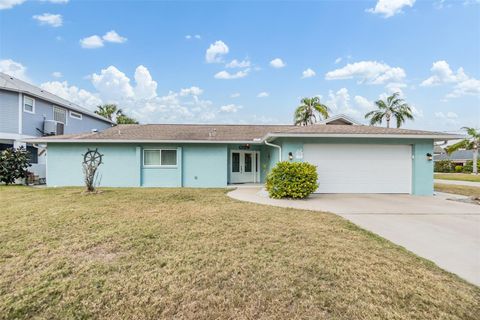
{"x":112,"y":84}
{"x":73,"y":94}
{"x":235,"y":95}
{"x":216,"y":51}
{"x":91,"y":42}
{"x":238,"y":64}
{"x":189,"y":36}
{"x":225,"y":75}
{"x":308,"y":73}
{"x":389,"y":8}
{"x":263,"y":94}
{"x":194,"y":91}
{"x":112,"y":36}
{"x":443,"y":74}
{"x":146,"y":87}
{"x":14,"y":69}
{"x":54,"y":20}
{"x":230,"y":108}
{"x":449,"y":118}
{"x":364,"y":103}
{"x":338,"y":60}
{"x":339,"y":102}
{"x":57,"y":74}
{"x":277,"y":63}
{"x":96,"y":41}
{"x":8,"y":4}
{"x":371,"y":72}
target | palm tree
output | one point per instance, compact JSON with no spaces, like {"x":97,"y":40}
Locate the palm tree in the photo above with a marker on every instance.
{"x":472,"y":142}
{"x":392,"y":107}
{"x":307,"y":113}
{"x":109,"y":111}
{"x":112,"y":112}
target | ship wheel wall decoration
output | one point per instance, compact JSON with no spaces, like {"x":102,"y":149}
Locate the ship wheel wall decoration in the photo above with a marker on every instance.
{"x":92,"y":158}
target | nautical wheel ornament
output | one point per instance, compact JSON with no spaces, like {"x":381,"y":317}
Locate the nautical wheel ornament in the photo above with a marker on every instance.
{"x":92,"y":158}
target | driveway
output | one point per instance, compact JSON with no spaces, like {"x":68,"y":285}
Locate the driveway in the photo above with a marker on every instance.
{"x":444,"y":231}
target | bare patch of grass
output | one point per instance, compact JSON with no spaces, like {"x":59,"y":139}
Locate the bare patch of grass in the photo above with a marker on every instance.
{"x":197,"y":254}
{"x":473,"y":192}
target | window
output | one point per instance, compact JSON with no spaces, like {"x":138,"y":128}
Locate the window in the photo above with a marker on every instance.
{"x":32,"y":154}
{"x":75,"y":115}
{"x":160,"y":158}
{"x":28,"y":104}
{"x":60,"y":114}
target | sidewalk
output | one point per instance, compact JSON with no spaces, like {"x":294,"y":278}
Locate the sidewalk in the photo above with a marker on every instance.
{"x":458,"y":182}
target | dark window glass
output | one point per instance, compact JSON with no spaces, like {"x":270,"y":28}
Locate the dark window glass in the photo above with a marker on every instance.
{"x":248,"y":162}
{"x":235,"y":162}
{"x":169,"y":157}
{"x":32,"y":154}
{"x":256,"y":163}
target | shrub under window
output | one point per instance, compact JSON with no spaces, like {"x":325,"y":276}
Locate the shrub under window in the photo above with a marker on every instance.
{"x":295,"y":180}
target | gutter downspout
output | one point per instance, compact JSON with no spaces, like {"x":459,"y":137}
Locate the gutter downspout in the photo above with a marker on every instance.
{"x":275,"y":146}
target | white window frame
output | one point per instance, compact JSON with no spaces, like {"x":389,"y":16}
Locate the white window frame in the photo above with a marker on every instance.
{"x":160,"y":165}
{"x":66,"y":114}
{"x":33,"y":105}
{"x":76,"y":115}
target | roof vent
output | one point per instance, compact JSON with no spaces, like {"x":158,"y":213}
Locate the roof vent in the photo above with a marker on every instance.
{"x":213,"y":133}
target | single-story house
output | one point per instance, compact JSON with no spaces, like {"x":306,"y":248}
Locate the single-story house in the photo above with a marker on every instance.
{"x":458,"y":158}
{"x":350,"y":158}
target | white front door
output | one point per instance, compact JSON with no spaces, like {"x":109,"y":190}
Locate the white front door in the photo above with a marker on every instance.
{"x":244,"y":166}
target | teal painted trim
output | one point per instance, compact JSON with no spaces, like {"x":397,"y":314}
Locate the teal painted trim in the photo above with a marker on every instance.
{"x":422,"y":184}
{"x":138,"y":156}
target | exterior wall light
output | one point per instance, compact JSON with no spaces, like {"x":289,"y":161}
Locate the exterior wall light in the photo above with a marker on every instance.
{"x":290,"y":156}
{"x":429,"y":157}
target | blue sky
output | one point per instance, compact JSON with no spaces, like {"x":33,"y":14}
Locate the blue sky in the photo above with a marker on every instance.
{"x":172,"y":61}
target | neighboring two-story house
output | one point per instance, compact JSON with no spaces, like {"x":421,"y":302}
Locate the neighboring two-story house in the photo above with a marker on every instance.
{"x":27,"y":111}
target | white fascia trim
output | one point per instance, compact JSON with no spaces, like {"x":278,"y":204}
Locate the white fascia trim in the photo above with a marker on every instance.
{"x":364,"y":135}
{"x":15,"y":136}
{"x":138,"y":141}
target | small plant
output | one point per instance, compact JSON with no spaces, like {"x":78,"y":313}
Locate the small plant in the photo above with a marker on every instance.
{"x":13,"y":164}
{"x":295,"y":180}
{"x":92,"y":159}
{"x":468,"y":167}
{"x":445,"y":166}
{"x":458,"y":169}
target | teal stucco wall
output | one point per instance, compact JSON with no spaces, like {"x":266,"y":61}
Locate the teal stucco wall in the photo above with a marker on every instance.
{"x":422,"y":169}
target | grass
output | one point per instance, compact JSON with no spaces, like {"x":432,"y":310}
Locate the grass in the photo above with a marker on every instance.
{"x":197,"y":254}
{"x":458,"y":176}
{"x":457,"y":189}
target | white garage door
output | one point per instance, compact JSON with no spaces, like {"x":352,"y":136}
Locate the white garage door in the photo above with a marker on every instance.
{"x":361,"y":168}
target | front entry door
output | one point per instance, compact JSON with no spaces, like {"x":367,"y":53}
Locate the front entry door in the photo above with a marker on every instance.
{"x":244,"y":166}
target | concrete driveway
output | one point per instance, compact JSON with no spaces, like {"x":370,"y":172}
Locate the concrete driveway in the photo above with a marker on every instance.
{"x":444,"y":231}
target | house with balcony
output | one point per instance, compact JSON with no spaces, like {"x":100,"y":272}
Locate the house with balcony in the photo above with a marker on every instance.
{"x":27,"y":111}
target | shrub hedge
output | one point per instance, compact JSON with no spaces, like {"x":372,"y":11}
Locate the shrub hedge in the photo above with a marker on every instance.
{"x":294,"y":180}
{"x":444,"y":166}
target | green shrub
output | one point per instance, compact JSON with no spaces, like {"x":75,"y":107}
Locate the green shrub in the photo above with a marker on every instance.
{"x":292,"y":180}
{"x":458,"y":169}
{"x":468,"y":167}
{"x":443,"y":166}
{"x":13,"y":164}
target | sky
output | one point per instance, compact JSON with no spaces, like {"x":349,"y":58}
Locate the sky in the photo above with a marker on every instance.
{"x":250,"y":61}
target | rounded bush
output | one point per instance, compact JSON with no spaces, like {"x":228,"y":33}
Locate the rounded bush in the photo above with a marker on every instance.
{"x":458,"y":169}
{"x":295,"y":180}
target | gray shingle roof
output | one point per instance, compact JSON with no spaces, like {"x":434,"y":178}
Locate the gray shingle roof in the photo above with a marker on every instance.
{"x":10,"y":83}
{"x":457,"y":155}
{"x":235,"y":133}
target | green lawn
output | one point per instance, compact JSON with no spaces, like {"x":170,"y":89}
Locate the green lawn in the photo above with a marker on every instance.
{"x":197,"y":254}
{"x":458,"y":176}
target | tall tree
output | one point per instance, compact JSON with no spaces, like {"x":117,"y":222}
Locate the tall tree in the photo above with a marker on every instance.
{"x":392,"y":107}
{"x":310,"y":111}
{"x":472,"y":142}
{"x":112,"y":112}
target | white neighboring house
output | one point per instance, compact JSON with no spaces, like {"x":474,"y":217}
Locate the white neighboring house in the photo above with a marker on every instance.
{"x":27,"y":111}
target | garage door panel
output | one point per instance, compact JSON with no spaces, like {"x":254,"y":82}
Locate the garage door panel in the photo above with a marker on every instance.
{"x":356,"y":168}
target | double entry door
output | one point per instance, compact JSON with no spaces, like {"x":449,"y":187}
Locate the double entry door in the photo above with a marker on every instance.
{"x":244,"y":166}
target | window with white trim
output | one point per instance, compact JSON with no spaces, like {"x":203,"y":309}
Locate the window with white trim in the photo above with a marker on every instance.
{"x":60,"y":114}
{"x":28,"y":104}
{"x":75,"y":115}
{"x":160,"y":157}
